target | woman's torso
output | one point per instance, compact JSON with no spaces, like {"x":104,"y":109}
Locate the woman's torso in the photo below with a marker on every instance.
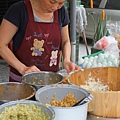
{"x":20,"y":19}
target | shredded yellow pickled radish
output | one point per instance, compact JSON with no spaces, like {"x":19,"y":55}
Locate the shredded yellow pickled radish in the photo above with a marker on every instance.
{"x":23,"y":112}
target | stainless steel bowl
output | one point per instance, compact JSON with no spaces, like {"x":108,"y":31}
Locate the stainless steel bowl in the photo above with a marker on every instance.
{"x":10,"y":91}
{"x":48,"y":111}
{"x":40,"y":79}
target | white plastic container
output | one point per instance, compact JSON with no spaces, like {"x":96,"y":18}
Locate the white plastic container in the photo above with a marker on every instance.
{"x":79,"y":112}
{"x":71,"y":113}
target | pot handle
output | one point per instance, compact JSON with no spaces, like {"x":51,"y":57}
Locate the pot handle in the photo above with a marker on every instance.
{"x":87,"y":99}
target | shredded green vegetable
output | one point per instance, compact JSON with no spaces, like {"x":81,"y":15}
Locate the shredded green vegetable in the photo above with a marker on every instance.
{"x":23,"y":112}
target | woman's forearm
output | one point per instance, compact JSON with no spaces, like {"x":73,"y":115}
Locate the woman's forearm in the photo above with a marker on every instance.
{"x":10,"y":58}
{"x":66,"y":46}
{"x":66,"y":51}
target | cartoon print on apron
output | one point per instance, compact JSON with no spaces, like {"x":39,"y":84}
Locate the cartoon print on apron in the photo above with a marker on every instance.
{"x":41,"y":45}
{"x":53,"y":58}
{"x":37,"y":47}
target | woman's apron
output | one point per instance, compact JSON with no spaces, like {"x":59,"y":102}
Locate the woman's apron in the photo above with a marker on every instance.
{"x":41,"y":45}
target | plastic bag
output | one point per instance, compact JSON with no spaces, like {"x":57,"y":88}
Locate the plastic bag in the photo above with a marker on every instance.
{"x":104,"y":42}
{"x":81,"y":19}
{"x":114,"y":29}
{"x":112,"y":49}
{"x":109,"y":45}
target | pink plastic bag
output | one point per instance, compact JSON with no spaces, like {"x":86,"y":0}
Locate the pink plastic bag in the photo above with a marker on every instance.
{"x":109,"y":45}
{"x":104,"y":42}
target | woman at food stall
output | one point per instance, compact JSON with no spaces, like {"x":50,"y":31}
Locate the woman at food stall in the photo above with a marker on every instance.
{"x":37,"y":31}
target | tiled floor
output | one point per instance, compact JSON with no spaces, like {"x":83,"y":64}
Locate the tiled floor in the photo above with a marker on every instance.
{"x":4,"y":68}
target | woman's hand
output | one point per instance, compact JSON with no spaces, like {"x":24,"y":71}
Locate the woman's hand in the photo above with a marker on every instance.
{"x":29,"y":69}
{"x":70,"y":66}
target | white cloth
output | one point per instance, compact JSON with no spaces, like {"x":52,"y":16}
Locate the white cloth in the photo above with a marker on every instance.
{"x":81,"y":18}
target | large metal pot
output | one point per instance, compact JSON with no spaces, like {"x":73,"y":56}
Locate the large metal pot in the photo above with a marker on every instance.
{"x":44,"y":95}
{"x":40,"y":79}
{"x":10,"y":91}
{"x":48,"y":111}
